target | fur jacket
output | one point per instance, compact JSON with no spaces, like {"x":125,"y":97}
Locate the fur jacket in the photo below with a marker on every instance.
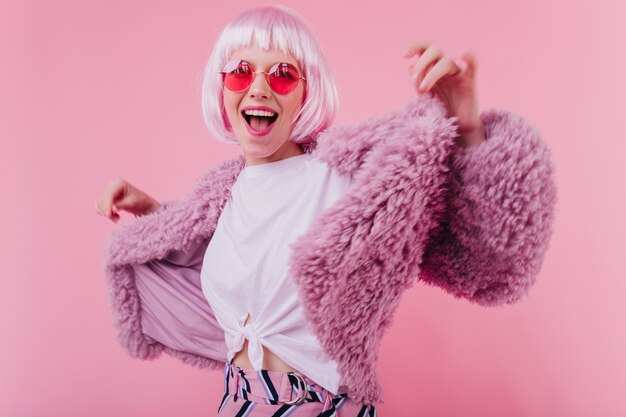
{"x":475,"y":222}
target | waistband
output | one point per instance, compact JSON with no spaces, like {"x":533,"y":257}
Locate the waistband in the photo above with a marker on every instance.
{"x":276,"y":387}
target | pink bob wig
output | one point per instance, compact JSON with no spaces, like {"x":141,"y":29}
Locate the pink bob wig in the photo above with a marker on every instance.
{"x":272,"y":27}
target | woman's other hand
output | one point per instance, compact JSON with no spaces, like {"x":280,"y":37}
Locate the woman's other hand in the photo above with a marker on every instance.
{"x":452,"y":81}
{"x":121,"y":195}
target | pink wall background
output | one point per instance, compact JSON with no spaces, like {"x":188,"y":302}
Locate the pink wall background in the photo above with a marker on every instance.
{"x":93,"y":90}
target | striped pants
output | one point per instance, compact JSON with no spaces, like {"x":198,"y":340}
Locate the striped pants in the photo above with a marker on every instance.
{"x":272,"y":393}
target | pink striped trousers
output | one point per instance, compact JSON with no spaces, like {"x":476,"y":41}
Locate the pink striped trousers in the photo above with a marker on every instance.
{"x":272,"y":393}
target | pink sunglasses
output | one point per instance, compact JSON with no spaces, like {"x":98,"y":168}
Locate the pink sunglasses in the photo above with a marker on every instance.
{"x":282,"y":77}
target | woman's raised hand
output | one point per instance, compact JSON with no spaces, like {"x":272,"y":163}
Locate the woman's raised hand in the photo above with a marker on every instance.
{"x":454,"y":82}
{"x":121,"y":195}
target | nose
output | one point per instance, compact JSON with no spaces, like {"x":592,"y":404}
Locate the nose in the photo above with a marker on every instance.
{"x":259,"y":87}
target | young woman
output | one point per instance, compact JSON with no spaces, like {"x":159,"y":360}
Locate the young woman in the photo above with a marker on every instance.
{"x":284,"y":266}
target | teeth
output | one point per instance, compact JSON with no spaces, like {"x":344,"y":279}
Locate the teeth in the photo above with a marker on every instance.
{"x":259,"y":113}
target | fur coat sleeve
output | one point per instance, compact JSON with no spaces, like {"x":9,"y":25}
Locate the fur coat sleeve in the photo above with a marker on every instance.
{"x":490,"y":243}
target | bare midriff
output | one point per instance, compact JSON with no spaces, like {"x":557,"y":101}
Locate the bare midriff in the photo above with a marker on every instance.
{"x":271,"y":362}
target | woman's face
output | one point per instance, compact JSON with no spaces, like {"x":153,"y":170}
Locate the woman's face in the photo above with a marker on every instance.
{"x":270,"y":144}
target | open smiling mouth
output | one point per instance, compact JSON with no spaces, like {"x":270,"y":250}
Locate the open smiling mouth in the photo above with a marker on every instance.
{"x":259,"y":121}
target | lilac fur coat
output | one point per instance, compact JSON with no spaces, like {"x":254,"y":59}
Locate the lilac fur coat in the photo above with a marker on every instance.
{"x":473,"y":221}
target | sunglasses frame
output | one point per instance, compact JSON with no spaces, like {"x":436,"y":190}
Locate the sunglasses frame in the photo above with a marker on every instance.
{"x":254,"y":73}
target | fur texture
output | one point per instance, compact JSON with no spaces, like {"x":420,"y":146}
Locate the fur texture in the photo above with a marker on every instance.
{"x":475,"y":222}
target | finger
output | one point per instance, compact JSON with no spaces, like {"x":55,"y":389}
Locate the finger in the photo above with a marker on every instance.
{"x":97,"y":207}
{"x":111,"y":209}
{"x":115,"y":194}
{"x":461,"y":64}
{"x":416,"y":48}
{"x":442,"y":68}
{"x":428,"y":58}
{"x":101,"y":209}
{"x":468,"y":63}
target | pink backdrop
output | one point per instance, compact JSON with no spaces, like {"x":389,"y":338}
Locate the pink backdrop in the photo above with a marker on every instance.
{"x":92,"y":90}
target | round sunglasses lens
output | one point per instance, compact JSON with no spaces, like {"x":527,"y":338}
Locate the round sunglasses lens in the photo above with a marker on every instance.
{"x":283,"y":78}
{"x":239,"y":78}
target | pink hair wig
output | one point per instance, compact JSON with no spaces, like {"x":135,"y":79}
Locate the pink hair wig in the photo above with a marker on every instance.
{"x":272,"y":27}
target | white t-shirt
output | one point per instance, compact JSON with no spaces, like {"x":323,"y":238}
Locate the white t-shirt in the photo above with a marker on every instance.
{"x":245,"y":265}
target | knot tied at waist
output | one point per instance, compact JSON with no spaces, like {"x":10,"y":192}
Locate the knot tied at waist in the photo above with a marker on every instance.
{"x":255,"y":349}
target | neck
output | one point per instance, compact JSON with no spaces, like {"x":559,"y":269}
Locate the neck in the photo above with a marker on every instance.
{"x":288,"y":150}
